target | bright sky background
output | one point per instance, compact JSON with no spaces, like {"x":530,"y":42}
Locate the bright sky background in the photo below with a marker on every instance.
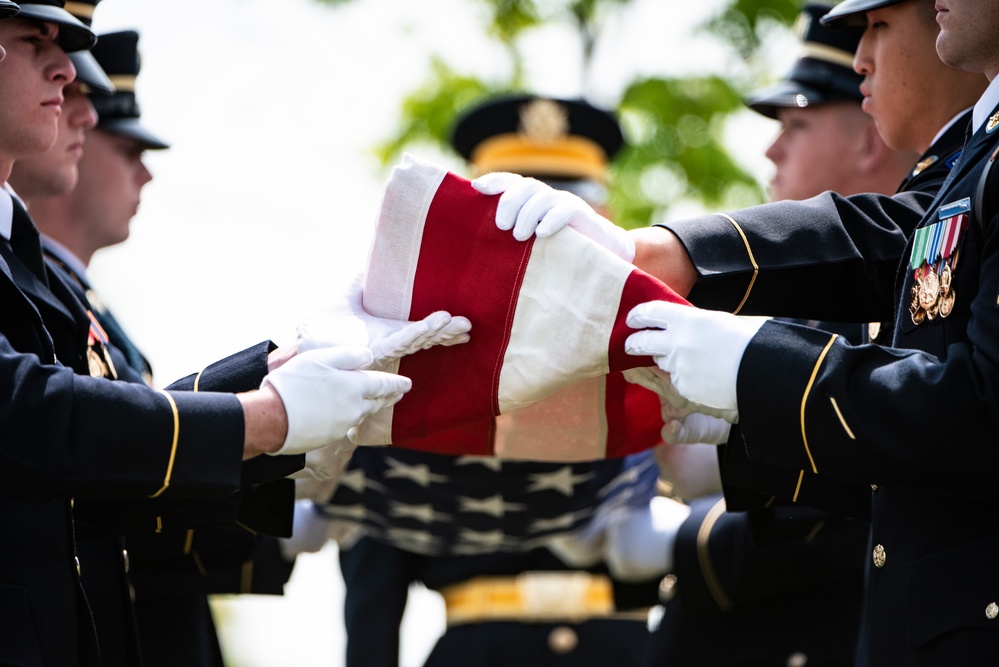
{"x":264,"y":205}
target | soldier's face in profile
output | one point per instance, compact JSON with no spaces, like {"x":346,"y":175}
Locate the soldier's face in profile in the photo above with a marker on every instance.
{"x":112,"y":175}
{"x":902,"y":72}
{"x":969,"y":32}
{"x":813,"y":151}
{"x":53,"y":172}
{"x":32,"y":78}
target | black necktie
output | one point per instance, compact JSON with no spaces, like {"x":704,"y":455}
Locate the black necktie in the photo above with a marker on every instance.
{"x":25,"y":242}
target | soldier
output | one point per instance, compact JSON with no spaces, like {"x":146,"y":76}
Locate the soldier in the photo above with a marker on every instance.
{"x":170,"y":571}
{"x":833,"y":415}
{"x":724,"y":615}
{"x":71,"y":437}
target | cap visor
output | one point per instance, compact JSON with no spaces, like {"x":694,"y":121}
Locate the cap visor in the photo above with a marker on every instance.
{"x":851,"y":13}
{"x":130,"y":127}
{"x":90,"y":73}
{"x":73,"y":34}
{"x":784,"y":94}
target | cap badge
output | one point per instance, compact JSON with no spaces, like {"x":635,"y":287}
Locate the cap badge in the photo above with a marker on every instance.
{"x":544,"y":121}
{"x":993,"y":123}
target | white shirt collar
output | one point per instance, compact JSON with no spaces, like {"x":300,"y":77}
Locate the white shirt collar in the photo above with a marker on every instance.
{"x":986,"y":103}
{"x":6,"y":211}
{"x":65,"y":255}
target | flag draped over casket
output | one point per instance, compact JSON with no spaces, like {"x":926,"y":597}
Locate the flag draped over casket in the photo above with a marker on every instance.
{"x":541,"y":376}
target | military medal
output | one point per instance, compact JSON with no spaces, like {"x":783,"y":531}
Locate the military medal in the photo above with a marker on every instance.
{"x":98,"y":356}
{"x":933,"y":261}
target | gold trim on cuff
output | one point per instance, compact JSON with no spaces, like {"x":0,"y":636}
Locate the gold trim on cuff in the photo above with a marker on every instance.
{"x":704,"y":556}
{"x":797,"y":487}
{"x":804,"y":398}
{"x":173,"y":446}
{"x":752,"y":260}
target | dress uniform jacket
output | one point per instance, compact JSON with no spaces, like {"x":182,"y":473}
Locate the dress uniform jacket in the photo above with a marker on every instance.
{"x":779,"y":586}
{"x":738,"y":575}
{"x":912,"y":421}
{"x":69,"y":438}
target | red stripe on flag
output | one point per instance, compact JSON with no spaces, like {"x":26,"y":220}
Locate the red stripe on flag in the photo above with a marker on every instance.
{"x":466,"y":266}
{"x":638,"y":288}
{"x":634,"y":417}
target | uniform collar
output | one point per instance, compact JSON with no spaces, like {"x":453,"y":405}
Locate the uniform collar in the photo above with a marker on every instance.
{"x":949,"y":124}
{"x":988,"y":101}
{"x":65,"y":255}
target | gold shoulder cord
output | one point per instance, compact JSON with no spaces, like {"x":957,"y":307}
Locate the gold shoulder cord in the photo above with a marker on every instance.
{"x":173,"y":446}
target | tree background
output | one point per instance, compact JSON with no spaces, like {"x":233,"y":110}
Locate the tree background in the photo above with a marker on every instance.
{"x":674,"y":126}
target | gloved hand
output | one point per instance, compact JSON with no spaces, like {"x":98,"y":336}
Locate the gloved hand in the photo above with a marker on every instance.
{"x":318,"y":479}
{"x":349,"y":324}
{"x":700,"y":349}
{"x":640,"y":542}
{"x":696,"y":429}
{"x":309,"y":533}
{"x":681,"y":425}
{"x":530,"y":207}
{"x":325,"y":395}
{"x":691,"y":470}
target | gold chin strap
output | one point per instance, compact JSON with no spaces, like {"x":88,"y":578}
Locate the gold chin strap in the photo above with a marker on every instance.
{"x":828,"y":53}
{"x":123,"y":83}
{"x":80,"y":10}
{"x":568,"y":157}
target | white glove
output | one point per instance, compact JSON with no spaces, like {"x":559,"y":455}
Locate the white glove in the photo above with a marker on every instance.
{"x":309,"y":533}
{"x":530,"y":207}
{"x":318,"y":479}
{"x":696,"y":429}
{"x":350,"y":324}
{"x":640,"y":542}
{"x":700,"y":349}
{"x":693,"y":471}
{"x":681,"y":426}
{"x":325,"y":395}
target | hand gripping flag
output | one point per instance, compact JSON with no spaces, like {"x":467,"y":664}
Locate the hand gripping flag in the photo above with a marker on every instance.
{"x":541,"y":377}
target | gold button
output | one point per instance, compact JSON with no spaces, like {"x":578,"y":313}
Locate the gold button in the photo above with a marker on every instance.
{"x":992,"y":611}
{"x":879,"y":556}
{"x":874,"y":487}
{"x":667,"y":588}
{"x":124,"y":558}
{"x":77,"y":562}
{"x":563,"y":639}
{"x":798,"y":659}
{"x":72,"y":503}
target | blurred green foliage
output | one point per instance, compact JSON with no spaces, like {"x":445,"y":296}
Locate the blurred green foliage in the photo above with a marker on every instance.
{"x":674,"y":127}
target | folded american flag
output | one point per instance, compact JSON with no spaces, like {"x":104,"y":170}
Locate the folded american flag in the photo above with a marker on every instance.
{"x":547,"y":347}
